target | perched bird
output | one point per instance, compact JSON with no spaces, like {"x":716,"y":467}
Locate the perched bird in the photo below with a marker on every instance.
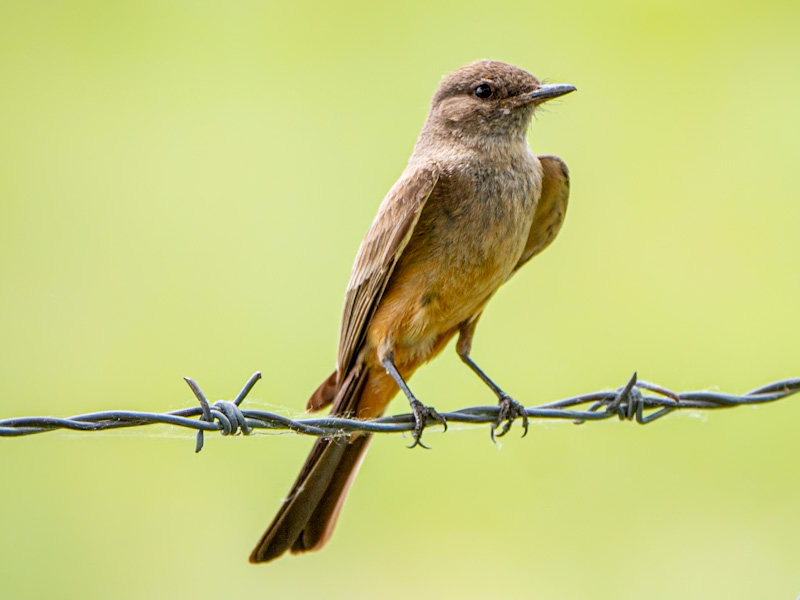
{"x":473,"y":205}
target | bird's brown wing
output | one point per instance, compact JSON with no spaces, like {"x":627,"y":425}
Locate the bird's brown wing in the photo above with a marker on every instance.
{"x":551,"y":208}
{"x":307,"y":517}
{"x":377,"y":256}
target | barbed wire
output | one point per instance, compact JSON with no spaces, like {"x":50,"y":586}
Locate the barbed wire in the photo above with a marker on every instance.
{"x":639,"y":401}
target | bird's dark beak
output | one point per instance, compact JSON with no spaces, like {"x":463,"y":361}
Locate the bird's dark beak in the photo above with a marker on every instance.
{"x":546,"y":92}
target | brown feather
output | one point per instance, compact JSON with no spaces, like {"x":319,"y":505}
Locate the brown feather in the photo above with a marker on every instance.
{"x":324,"y":394}
{"x":551,"y":210}
{"x":310,"y":509}
{"x":379,"y":253}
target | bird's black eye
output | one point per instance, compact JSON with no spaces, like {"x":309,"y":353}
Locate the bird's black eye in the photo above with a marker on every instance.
{"x":484,"y":91}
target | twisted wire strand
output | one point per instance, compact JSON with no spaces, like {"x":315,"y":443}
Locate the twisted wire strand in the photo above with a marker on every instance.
{"x":639,"y":401}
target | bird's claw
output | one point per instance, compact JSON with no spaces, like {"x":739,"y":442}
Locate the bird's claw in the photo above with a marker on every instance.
{"x":510,"y":409}
{"x":421,"y":414}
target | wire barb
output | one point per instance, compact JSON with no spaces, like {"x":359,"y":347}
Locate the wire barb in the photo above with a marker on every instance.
{"x":637,"y":400}
{"x":229,"y":415}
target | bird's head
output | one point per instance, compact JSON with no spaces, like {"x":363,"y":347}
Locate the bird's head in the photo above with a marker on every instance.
{"x":488,"y":98}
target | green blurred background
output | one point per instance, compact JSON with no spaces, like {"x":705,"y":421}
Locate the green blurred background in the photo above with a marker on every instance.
{"x":183,"y":188}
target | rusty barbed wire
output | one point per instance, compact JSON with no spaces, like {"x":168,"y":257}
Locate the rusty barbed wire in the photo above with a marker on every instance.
{"x":637,"y":400}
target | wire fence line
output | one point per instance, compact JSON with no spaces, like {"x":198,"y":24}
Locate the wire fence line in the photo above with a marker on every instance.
{"x":637,"y":400}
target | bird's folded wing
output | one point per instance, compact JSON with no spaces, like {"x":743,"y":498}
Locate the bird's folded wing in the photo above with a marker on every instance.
{"x":550,"y":210}
{"x":379,"y":252}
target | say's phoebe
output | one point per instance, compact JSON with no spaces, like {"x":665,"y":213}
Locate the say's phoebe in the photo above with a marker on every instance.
{"x":473,"y":205}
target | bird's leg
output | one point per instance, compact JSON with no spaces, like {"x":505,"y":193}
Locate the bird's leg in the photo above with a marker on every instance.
{"x":421,"y":412}
{"x":510,"y":409}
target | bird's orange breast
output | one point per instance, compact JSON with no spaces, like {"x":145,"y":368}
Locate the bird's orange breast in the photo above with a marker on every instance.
{"x":462,"y":250}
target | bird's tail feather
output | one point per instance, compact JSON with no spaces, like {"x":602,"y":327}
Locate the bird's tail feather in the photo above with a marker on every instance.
{"x":308,"y":515}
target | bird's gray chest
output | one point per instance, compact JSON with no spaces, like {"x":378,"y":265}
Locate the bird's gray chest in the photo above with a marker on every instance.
{"x":482,"y":214}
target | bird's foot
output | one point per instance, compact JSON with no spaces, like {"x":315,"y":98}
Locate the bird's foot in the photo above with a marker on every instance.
{"x":421,"y":415}
{"x":510,"y":409}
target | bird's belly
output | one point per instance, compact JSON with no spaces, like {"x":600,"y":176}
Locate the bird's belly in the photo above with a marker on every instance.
{"x":444,"y":279}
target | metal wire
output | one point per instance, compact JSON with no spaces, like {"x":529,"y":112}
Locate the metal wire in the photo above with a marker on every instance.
{"x":638,"y":401}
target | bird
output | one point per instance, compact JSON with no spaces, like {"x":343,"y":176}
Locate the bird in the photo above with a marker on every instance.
{"x":473,"y":205}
